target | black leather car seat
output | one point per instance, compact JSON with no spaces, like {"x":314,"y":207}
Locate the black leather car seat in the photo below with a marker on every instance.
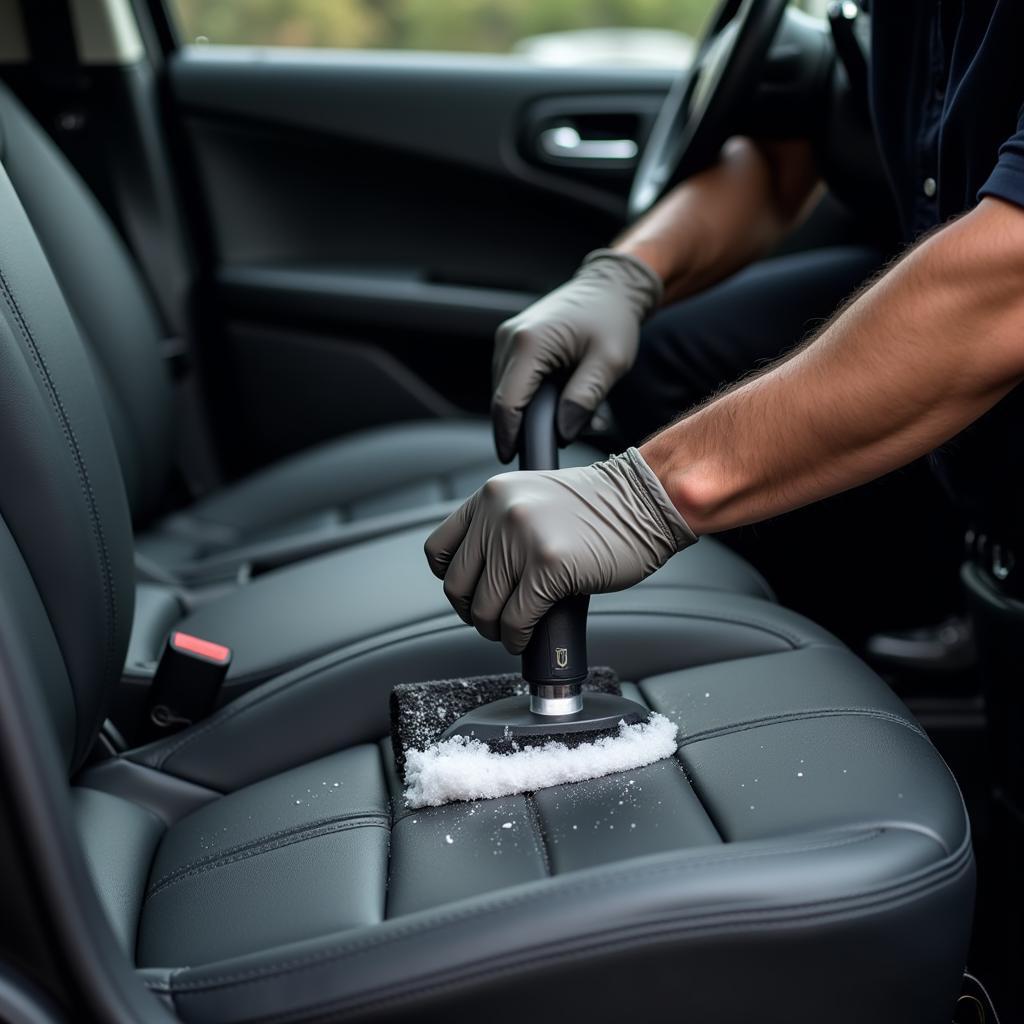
{"x":805,"y":857}
{"x":345,"y":491}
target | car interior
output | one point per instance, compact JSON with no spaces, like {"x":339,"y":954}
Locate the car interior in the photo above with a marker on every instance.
{"x":248,"y":296}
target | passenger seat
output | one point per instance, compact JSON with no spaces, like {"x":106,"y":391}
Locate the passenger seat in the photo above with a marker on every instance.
{"x":352,"y":489}
{"x":804,"y":857}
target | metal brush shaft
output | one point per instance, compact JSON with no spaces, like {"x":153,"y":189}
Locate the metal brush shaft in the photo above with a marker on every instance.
{"x":555,"y":660}
{"x":563,"y":699}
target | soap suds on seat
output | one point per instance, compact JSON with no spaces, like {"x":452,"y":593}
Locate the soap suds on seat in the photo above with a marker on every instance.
{"x":461,"y":768}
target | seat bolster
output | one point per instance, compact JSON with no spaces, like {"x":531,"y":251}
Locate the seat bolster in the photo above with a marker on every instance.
{"x":718,"y":932}
{"x":342,"y":698}
{"x":299,"y":854}
{"x":119,"y":839}
{"x":110,"y":301}
{"x":166,"y":796}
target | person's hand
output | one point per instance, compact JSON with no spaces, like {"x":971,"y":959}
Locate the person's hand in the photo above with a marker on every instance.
{"x":526,"y":540}
{"x":590,"y":326}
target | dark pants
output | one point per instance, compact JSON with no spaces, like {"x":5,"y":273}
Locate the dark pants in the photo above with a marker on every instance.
{"x":690,"y":350}
{"x":885,"y":555}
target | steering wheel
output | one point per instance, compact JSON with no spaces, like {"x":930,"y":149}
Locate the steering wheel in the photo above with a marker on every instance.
{"x":703,"y":106}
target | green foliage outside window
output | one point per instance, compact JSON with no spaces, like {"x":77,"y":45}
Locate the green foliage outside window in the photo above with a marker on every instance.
{"x":492,"y":26}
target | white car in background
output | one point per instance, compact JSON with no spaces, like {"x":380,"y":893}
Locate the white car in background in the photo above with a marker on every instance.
{"x":652,"y":47}
{"x":594,"y":47}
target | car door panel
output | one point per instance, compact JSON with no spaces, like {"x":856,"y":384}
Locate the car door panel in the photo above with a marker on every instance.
{"x":372,"y":218}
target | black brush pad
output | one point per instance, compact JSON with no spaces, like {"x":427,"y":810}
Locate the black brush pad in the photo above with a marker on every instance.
{"x":421,"y":712}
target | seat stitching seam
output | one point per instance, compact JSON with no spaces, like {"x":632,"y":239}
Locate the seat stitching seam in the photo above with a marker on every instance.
{"x":709,"y":919}
{"x":695,"y":789}
{"x":270,"y":837}
{"x":232,"y":710}
{"x":667,"y":928}
{"x":750,"y":622}
{"x":382,"y":752}
{"x":795,"y":642}
{"x":796,"y":716}
{"x":718,"y":588}
{"x":84,"y":482}
{"x":712,"y":920}
{"x":533,"y":813}
{"x":569,"y":888}
{"x":267,"y":844}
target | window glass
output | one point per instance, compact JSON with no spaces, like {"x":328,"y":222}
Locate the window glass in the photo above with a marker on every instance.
{"x":547,"y":31}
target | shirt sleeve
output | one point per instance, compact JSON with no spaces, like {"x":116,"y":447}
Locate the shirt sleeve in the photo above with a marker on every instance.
{"x":1007,"y":178}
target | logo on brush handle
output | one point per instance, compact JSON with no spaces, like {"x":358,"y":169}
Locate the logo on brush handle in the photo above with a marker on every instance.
{"x":561,"y":656}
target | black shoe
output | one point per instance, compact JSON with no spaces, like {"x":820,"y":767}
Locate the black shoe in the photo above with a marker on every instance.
{"x":947,"y":646}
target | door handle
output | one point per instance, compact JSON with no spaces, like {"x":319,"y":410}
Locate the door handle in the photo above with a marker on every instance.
{"x":566,"y":143}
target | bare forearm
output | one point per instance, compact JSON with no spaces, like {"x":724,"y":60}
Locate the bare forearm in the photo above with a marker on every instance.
{"x":919,"y":356}
{"x":725,"y":217}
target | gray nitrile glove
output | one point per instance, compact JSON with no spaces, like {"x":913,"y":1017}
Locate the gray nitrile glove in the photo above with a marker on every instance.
{"x":590,"y":325}
{"x":526,"y":540}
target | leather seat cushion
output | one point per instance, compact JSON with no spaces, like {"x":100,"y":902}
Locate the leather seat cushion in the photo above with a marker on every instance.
{"x":373,"y":473}
{"x":802,"y":791}
{"x":805,"y":838}
{"x":341,"y":699}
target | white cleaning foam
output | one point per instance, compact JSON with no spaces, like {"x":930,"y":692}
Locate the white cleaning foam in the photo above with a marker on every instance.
{"x":461,"y":768}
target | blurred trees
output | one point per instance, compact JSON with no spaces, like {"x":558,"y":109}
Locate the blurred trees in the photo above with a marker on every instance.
{"x":481,"y":25}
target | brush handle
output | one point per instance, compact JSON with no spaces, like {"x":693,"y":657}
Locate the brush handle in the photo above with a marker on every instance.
{"x":538,"y":442}
{"x":557,"y":652}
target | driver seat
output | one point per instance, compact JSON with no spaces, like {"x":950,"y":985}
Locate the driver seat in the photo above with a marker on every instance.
{"x":806,"y":855}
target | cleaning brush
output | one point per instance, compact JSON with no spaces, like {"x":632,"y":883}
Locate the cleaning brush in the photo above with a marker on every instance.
{"x":439,"y":769}
{"x":468,"y":739}
{"x":421,"y":713}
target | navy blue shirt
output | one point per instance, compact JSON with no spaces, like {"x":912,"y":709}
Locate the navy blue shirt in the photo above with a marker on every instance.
{"x":947,"y":92}
{"x":947,"y":82}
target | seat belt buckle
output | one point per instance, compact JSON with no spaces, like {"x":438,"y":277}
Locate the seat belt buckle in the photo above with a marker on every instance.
{"x":186,"y":684}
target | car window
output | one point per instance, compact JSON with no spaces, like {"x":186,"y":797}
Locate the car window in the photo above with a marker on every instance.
{"x":568,"y":32}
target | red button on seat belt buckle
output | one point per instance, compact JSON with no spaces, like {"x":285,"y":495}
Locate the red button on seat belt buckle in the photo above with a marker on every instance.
{"x":217,"y":653}
{"x":187,"y":682}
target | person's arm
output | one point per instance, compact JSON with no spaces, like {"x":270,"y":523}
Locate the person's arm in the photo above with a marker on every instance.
{"x":920,"y":355}
{"x":917,"y":357}
{"x":724,"y":218}
{"x":589,"y":328}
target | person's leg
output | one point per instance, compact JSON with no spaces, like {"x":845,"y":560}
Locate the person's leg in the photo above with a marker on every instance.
{"x":693,"y":348}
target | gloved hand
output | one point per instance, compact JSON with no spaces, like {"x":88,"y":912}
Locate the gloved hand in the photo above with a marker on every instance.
{"x":526,"y":540}
{"x":590,"y":325}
